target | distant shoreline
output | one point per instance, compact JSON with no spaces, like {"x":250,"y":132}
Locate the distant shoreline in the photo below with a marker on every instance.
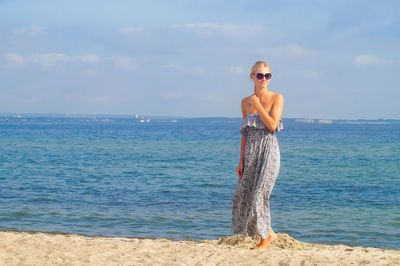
{"x":16,"y":116}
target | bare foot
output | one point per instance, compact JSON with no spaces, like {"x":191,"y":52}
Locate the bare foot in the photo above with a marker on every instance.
{"x":272,"y":237}
{"x":261,"y":246}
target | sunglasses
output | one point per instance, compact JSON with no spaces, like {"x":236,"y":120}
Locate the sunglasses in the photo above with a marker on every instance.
{"x":261,"y":76}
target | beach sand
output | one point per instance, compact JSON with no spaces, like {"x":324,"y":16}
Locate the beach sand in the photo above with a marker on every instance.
{"x":23,"y":248}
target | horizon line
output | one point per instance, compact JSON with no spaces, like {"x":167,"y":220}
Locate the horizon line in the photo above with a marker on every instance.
{"x":173,"y":116}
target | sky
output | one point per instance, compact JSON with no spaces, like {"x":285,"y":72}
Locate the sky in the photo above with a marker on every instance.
{"x":329,"y":59}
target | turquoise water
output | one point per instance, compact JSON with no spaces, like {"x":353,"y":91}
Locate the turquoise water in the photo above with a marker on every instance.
{"x":114,"y":176}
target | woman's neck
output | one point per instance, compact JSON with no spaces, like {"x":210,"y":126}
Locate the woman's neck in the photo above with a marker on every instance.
{"x":260,"y":91}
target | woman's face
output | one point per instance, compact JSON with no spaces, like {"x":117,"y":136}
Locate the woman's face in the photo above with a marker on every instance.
{"x":260,"y":83}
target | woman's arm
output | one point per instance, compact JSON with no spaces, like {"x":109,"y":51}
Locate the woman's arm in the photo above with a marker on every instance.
{"x":241,"y":160}
{"x":271,"y":121}
{"x":242,"y":144}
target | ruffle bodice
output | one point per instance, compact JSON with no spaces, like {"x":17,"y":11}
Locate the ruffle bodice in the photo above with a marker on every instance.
{"x":253,"y":121}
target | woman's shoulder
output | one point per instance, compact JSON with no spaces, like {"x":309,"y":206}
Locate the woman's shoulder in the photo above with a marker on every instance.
{"x":245,"y":106}
{"x":276,"y":97}
{"x":245,"y":98}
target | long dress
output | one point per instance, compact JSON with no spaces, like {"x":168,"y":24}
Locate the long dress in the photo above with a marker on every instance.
{"x":250,"y":203}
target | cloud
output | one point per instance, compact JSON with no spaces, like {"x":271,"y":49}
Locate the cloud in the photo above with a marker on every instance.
{"x":234,"y":69}
{"x":50,"y":59}
{"x":14,"y":59}
{"x":124,"y":62}
{"x":192,"y":69}
{"x":365,"y":60}
{"x":298,"y":51}
{"x":205,"y":25}
{"x":29,"y":30}
{"x":88,"y":58}
{"x":227,"y":28}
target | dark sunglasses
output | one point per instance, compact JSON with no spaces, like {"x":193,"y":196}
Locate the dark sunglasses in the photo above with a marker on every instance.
{"x":261,"y":76}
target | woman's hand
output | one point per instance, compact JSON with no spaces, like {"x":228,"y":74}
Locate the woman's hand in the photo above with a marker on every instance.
{"x":255,"y":101}
{"x":239,"y":171}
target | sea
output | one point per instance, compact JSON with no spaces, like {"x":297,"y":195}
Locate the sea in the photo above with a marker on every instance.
{"x":174,"y":177}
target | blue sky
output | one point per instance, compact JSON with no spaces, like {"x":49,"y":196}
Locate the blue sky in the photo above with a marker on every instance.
{"x":330,"y":59}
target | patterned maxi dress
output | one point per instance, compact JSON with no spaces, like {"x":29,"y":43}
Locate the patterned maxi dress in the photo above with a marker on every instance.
{"x":250,"y":202}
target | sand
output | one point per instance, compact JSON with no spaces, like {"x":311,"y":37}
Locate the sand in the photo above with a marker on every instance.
{"x":22,"y":248}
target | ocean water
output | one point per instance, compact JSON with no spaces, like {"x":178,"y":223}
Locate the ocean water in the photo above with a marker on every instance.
{"x":175,"y":177}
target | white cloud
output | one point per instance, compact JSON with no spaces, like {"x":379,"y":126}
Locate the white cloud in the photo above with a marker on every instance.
{"x":29,"y":30}
{"x":124,"y":62}
{"x":50,"y":59}
{"x":364,"y":60}
{"x":207,"y":26}
{"x":88,"y":58}
{"x":234,"y":69}
{"x":298,"y":51}
{"x":191,"y":69}
{"x":14,"y":59}
{"x":204,"y":25}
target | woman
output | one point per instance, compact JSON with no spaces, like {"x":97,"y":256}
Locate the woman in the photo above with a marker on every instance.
{"x":259,"y":161}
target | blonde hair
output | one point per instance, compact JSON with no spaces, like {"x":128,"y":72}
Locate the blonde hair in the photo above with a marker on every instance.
{"x":259,"y":64}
